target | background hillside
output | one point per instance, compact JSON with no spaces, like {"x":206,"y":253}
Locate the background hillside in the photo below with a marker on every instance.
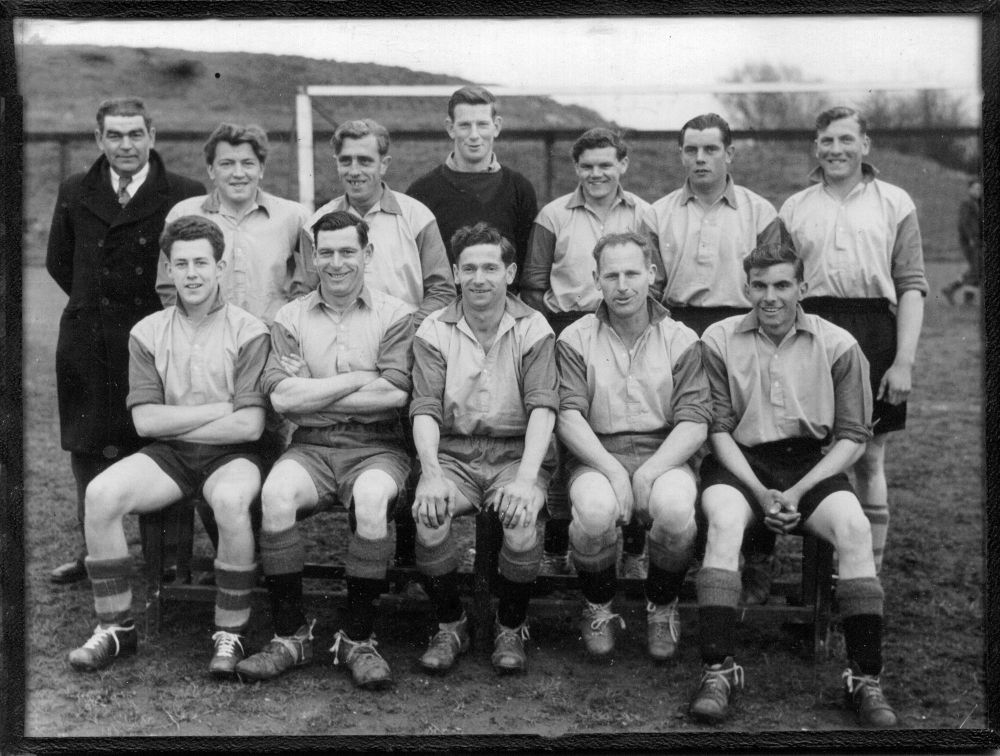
{"x":62,"y":85}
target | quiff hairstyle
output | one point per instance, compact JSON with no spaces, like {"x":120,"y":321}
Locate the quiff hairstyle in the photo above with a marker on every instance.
{"x":620,"y":239}
{"x":191,"y":228}
{"x":827,"y":117}
{"x":481,"y":233}
{"x":234,"y":134}
{"x":472,"y":95}
{"x":359,"y":129}
{"x":123,"y":106}
{"x":337,"y":220}
{"x":708,"y":121}
{"x":768,"y":255}
{"x":595,"y":139}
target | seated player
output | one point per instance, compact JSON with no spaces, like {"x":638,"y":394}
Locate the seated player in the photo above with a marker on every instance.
{"x":783,"y":383}
{"x":194,"y":386}
{"x":633,"y":409}
{"x":340,"y":370}
{"x":483,"y":407}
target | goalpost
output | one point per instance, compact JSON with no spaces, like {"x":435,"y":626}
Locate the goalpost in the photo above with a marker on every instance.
{"x":305,"y":93}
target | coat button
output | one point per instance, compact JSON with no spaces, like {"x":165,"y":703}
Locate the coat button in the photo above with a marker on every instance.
{"x":107,"y":272}
{"x":142,"y":240}
{"x":100,"y":242}
{"x":138,"y":271}
{"x":105,"y":301}
{"x":138,"y":301}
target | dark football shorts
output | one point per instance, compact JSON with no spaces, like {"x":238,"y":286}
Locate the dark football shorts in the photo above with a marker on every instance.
{"x":190,"y":464}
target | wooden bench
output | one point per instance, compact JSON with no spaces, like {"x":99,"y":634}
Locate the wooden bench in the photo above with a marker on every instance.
{"x":804,"y":599}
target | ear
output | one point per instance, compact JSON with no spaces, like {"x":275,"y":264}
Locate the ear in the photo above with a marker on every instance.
{"x":498,"y":122}
{"x":97,"y":138}
{"x":220,"y":265}
{"x":511,"y":272}
{"x":449,"y":126}
{"x":730,"y":151}
{"x":803,"y":288}
{"x":454,"y":272}
{"x":746,"y":289}
{"x":367,"y":252}
{"x":624,"y":164}
{"x":384,"y":164}
{"x":866,"y":145}
{"x":152,"y":136}
{"x":651,"y":273}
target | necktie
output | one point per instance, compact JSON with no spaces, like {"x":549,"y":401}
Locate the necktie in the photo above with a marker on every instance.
{"x":123,"y":196}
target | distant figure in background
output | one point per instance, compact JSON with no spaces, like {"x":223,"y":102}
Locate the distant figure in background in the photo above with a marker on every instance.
{"x":864,"y":263}
{"x":472,"y":185}
{"x":970,"y":237}
{"x":102,"y":252}
{"x":558,"y":281}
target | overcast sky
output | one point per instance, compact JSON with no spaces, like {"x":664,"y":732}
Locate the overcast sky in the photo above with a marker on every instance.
{"x":658,"y":54}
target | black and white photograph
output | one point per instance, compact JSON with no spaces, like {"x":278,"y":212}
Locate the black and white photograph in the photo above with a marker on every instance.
{"x":498,"y":382}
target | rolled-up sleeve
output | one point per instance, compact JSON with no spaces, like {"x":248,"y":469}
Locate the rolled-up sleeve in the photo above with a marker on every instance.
{"x":394,"y":360}
{"x":429,"y":373}
{"x":283,"y":344}
{"x":538,"y":368}
{"x":724,"y":418}
{"x":852,"y":397}
{"x":691,"y":399}
{"x":573,"y":387}
{"x":248,"y":370}
{"x":144,"y":383}
{"x":908,"y":257}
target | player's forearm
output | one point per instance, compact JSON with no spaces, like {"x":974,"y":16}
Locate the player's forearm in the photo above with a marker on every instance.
{"x":243,"y":425}
{"x":169,"y":421}
{"x":909,"y":321}
{"x":577,"y":435}
{"x":678,"y":447}
{"x":372,"y":397}
{"x":730,"y":456}
{"x":427,"y":439}
{"x":838,"y":459}
{"x":300,"y":395}
{"x":537,"y":437}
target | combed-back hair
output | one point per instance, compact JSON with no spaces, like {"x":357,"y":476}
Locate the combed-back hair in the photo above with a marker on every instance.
{"x":190,"y":228}
{"x":708,"y":121}
{"x":472,"y":95}
{"x":234,"y":134}
{"x":774,"y":253}
{"x":830,"y":115}
{"x":481,"y":233}
{"x":338,"y":219}
{"x":359,"y":129}
{"x":596,"y":138}
{"x":621,"y":238}
{"x":123,"y":106}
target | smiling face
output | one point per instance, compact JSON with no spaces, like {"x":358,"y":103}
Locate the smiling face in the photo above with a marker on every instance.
{"x":472,"y":130}
{"x":840,"y":148}
{"x":361,"y":168}
{"x":194,"y":271}
{"x":624,"y":277}
{"x":706,"y":159}
{"x":599,"y":172}
{"x":125,"y":142}
{"x":774,"y":292}
{"x":483,"y":277}
{"x":340,"y":261}
{"x":236,"y":173}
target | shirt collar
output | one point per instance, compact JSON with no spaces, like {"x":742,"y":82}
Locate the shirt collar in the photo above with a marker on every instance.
{"x":452,"y":165}
{"x":387,"y":202}
{"x":868,"y":173}
{"x":512,"y":306}
{"x":137,"y":178}
{"x":213,"y":202}
{"x":365,"y":297}
{"x":217,"y":303}
{"x":577,"y":198}
{"x":728,"y":194}
{"x":750,"y":322}
{"x":657,"y":312}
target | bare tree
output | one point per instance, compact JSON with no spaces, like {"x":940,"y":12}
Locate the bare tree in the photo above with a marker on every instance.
{"x":772,"y":110}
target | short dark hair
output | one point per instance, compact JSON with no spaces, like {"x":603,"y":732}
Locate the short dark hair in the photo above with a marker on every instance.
{"x":472,"y":95}
{"x":359,"y":129}
{"x":233,"y":134}
{"x":123,"y":106}
{"x":708,"y":121}
{"x":595,"y":139}
{"x":830,"y":115}
{"x":191,"y":228}
{"x":481,"y":233}
{"x":774,"y":253}
{"x":337,"y":220}
{"x":621,"y":238}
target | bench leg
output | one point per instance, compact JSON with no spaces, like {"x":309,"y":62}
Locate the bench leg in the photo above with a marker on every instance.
{"x":488,"y":537}
{"x":151,"y":531}
{"x":817,"y":590}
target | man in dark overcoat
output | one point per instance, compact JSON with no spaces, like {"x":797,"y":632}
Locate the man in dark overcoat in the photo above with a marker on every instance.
{"x":102,"y":251}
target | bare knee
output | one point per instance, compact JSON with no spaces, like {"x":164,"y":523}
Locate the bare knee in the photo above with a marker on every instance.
{"x":726,"y":523}
{"x":852,"y":533}
{"x":427,"y":536}
{"x":279,"y":503}
{"x":519,"y":539}
{"x":231,"y":506}
{"x":594,"y":514}
{"x":105,"y":500}
{"x":672,"y":514}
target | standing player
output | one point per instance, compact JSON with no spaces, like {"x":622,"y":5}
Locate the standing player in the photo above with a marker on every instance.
{"x":471,"y":185}
{"x":558,"y":281}
{"x":102,"y":253}
{"x":702,"y":232}
{"x":483,"y":407}
{"x":784,"y":383}
{"x":340,"y":370}
{"x":194,"y":386}
{"x":859,"y":239}
{"x":409,"y":260}
{"x":970,"y":238}
{"x":633,"y":409}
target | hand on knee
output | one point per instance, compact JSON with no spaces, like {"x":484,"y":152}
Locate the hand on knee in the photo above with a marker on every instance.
{"x":431,"y":537}
{"x":519,"y":539}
